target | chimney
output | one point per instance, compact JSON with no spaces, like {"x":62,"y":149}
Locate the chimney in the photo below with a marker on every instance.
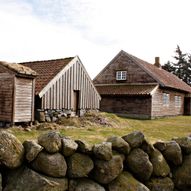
{"x":157,"y":62}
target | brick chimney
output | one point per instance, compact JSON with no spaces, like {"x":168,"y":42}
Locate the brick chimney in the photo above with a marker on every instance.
{"x":157,"y":62}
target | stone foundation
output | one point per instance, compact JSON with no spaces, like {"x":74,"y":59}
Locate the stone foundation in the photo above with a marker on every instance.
{"x":54,"y":115}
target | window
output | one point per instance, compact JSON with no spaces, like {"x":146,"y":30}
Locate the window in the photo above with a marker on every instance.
{"x":166,"y":99}
{"x":121,"y":75}
{"x":177,"y":100}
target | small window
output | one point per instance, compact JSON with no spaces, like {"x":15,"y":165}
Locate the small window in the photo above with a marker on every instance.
{"x":177,"y":100}
{"x":166,"y":99}
{"x":121,"y":75}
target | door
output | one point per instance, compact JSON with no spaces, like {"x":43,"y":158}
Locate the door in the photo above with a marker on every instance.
{"x":187,"y":106}
{"x":76,"y":101}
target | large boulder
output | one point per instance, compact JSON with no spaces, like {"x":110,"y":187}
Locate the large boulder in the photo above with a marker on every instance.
{"x":135,"y":139}
{"x":160,"y":184}
{"x":32,"y":149}
{"x":103,"y":151}
{"x":171,"y":151}
{"x":25,"y":179}
{"x":114,"y":152}
{"x":147,"y":147}
{"x":84,"y":147}
{"x":69,"y":147}
{"x":51,"y":141}
{"x":139,"y":164}
{"x":79,"y":165}
{"x":84,"y":185}
{"x":11,"y":150}
{"x":160,"y":166}
{"x":106,"y":171}
{"x":182,"y":175}
{"x":185,"y":144}
{"x":50,"y":164}
{"x":126,"y":182}
{"x":119,"y":144}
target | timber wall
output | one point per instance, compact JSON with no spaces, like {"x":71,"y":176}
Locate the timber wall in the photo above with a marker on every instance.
{"x":130,"y":106}
{"x":24,"y":100}
{"x":135,"y":74}
{"x":61,"y":94}
{"x":6,"y":97}
{"x":160,"y":110}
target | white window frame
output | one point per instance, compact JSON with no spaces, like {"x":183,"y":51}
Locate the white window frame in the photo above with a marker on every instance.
{"x":166,"y":99}
{"x":178,"y":101}
{"x":121,"y":75}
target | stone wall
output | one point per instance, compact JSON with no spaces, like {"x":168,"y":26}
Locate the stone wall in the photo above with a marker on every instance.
{"x":128,"y":163}
{"x":53,"y":115}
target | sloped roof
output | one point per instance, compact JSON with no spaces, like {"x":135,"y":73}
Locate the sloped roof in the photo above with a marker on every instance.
{"x":46,"y":70}
{"x":164,"y":78}
{"x":125,"y":89}
{"x":18,"y":68}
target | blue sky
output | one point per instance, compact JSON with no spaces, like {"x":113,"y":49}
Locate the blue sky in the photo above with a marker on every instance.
{"x":96,"y":30}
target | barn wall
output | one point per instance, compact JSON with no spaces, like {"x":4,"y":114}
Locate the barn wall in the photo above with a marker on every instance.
{"x":135,"y":74}
{"x":131,"y":106}
{"x":61,"y":94}
{"x":6,"y":96}
{"x":24,"y":100}
{"x":160,"y":110}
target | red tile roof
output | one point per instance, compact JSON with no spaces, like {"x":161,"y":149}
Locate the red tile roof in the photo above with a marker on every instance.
{"x":46,"y":70}
{"x":164,"y":78}
{"x":125,"y":89}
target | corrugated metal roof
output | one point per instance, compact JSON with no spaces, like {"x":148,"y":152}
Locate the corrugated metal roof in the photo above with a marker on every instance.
{"x":125,"y":89}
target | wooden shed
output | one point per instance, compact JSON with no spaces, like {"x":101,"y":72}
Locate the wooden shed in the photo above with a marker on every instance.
{"x":64,"y":85}
{"x":17,"y":84}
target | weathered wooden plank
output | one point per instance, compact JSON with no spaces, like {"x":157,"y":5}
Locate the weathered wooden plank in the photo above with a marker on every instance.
{"x":23,"y":99}
{"x":9,"y":108}
{"x":63,"y":90}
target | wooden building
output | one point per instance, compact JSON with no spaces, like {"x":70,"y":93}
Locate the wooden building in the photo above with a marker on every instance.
{"x":132,"y":87}
{"x":17,"y":84}
{"x":64,"y":85}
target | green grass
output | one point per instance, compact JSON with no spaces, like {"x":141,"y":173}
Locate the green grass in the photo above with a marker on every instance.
{"x":157,"y":129}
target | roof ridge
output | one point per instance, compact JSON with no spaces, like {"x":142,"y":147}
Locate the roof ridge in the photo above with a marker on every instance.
{"x":57,"y":59}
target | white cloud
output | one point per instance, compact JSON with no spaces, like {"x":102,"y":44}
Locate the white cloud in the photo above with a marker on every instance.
{"x":96,"y":30}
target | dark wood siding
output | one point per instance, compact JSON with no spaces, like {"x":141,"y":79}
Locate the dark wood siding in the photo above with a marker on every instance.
{"x":23,"y":100}
{"x":5,"y":70}
{"x":61,"y":93}
{"x":160,"y":110}
{"x":187,"y":105}
{"x":131,"y":106}
{"x":6,"y":97}
{"x":135,"y":74}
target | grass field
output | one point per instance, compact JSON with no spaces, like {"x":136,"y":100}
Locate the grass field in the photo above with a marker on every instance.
{"x":88,"y":128}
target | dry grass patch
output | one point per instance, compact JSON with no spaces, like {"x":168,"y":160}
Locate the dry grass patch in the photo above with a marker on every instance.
{"x":97,"y":127}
